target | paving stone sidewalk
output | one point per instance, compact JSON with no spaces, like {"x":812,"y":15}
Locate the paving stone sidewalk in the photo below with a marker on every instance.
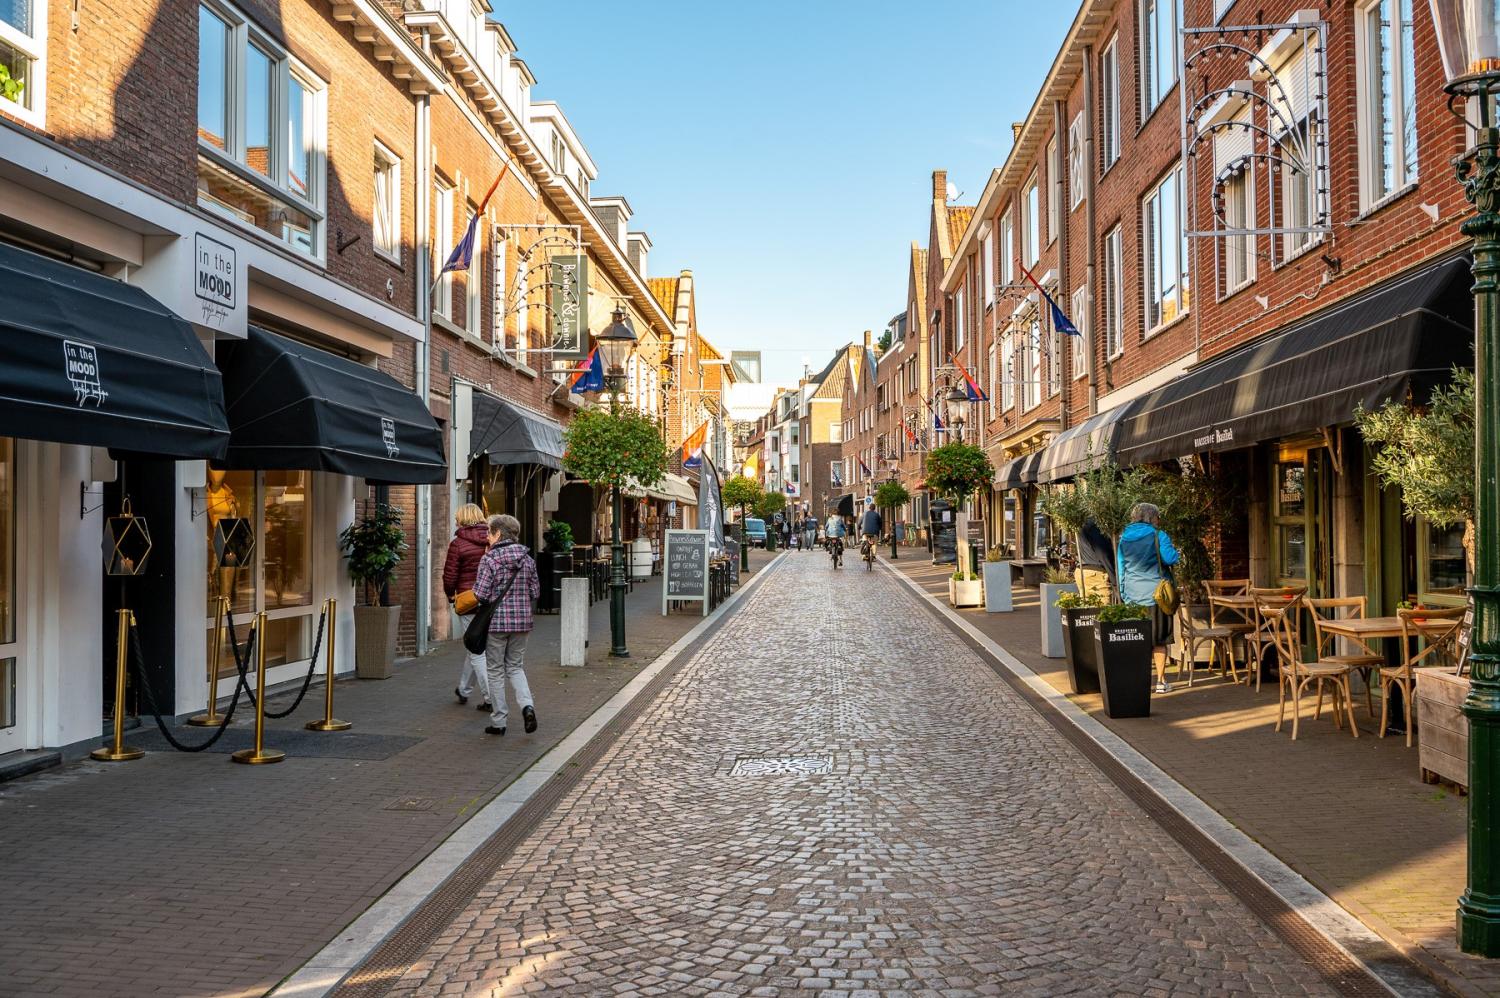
{"x":185,"y":875}
{"x":821,"y":801}
{"x":1350,"y":815}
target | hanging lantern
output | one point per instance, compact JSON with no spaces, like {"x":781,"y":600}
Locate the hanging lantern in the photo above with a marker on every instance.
{"x":127,"y":543}
{"x":234,"y":542}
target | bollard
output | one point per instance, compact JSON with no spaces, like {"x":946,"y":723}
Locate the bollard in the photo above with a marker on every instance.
{"x":574,"y":620}
{"x":119,"y":751}
{"x":329,"y":722}
{"x":211,"y":718}
{"x":259,"y":755}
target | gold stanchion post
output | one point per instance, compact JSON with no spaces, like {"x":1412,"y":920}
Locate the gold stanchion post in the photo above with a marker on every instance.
{"x":260,"y":755}
{"x":119,"y":751}
{"x":211,"y":718}
{"x":329,"y":722}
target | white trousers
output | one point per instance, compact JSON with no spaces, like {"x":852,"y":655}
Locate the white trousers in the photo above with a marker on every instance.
{"x":472,"y":671}
{"x":505,"y":653}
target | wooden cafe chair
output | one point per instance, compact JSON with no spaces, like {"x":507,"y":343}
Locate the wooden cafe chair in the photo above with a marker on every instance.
{"x":1295,"y":673}
{"x":1438,"y":631}
{"x":1364,"y":661}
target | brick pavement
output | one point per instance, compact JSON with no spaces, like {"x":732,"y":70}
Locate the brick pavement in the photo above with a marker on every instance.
{"x":185,"y":875}
{"x":958,"y":845}
{"x":1351,"y":816}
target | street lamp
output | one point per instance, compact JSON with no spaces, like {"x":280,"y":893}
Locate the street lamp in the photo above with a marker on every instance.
{"x":1469,"y":39}
{"x":894,"y":479}
{"x":957,"y":401}
{"x":616,"y":343}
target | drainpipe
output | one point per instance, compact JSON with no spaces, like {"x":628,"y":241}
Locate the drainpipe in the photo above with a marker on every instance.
{"x":1064,"y":285}
{"x":1091,"y":252}
{"x":422,"y":365}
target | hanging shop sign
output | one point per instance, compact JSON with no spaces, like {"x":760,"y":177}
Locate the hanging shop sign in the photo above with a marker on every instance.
{"x":569,"y":305}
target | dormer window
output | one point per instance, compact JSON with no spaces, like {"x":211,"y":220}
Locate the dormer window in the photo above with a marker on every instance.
{"x":559,"y":154}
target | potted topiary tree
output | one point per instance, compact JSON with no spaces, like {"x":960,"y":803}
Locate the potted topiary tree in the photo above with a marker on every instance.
{"x":374,"y":546}
{"x":766,"y":508}
{"x":1122,"y":648}
{"x":890,"y":497}
{"x":743,"y":492}
{"x":955,"y":472}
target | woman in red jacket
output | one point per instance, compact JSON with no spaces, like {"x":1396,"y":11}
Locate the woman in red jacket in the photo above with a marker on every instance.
{"x":470,"y":542}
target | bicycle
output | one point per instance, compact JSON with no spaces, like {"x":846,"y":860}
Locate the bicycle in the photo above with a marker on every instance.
{"x":867,"y":552}
{"x":835,"y":546}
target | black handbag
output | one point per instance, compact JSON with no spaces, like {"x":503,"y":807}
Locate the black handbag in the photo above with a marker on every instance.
{"x":477,"y":634}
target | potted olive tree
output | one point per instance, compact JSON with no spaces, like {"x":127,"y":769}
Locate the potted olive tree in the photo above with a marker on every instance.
{"x":374,"y":546}
{"x":1196,"y":506}
{"x":745,"y":493}
{"x":1122,"y":649}
{"x":1079,"y":612}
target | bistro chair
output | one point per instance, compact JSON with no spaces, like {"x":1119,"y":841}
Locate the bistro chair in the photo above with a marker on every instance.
{"x":1238,"y":625}
{"x":1438,"y":630}
{"x":1295,"y":673}
{"x":1195,"y":634}
{"x":1364,"y":661}
{"x":1269,"y":602}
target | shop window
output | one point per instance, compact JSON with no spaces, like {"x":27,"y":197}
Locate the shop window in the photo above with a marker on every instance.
{"x":275,"y":507}
{"x":1387,"y":98}
{"x":23,"y":45}
{"x":387,"y":203}
{"x":260,"y":132}
{"x":1165,"y":257}
{"x":1442,"y":571}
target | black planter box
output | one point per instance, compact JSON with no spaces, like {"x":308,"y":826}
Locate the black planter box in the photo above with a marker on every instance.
{"x":1124,"y":656}
{"x":1078,"y":648}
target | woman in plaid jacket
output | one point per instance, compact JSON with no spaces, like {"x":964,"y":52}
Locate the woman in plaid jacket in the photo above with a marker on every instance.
{"x":507,"y":568}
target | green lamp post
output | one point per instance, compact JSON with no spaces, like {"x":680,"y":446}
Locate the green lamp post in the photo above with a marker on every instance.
{"x":616,"y":343}
{"x":1468,"y":34}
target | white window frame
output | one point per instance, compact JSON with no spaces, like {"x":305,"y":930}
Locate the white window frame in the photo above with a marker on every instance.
{"x":1080,"y":317}
{"x":1054,"y":355}
{"x":1374,"y":37}
{"x":474,"y":280}
{"x":835,"y":433}
{"x":241,"y":33}
{"x":1054,"y":195}
{"x":987,"y":258}
{"x":391,"y":196}
{"x":1007,"y":249}
{"x":498,"y":274}
{"x":442,"y":245}
{"x":1299,"y":210}
{"x":1109,"y":101}
{"x":32,"y":108}
{"x":1007,"y":370}
{"x":994,"y":356}
{"x":1031,"y":385}
{"x":1239,"y":213}
{"x":1031,"y":222}
{"x":1149,"y":57}
{"x":1077,"y":162}
{"x":961,"y":319}
{"x":1114,"y":338}
{"x":1154,"y":245}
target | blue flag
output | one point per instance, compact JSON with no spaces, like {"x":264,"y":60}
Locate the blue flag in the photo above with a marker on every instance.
{"x":589,"y":377}
{"x":1060,"y":322}
{"x":463,"y":253}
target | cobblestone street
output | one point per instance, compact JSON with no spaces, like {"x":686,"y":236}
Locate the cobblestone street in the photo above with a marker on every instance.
{"x":820,"y":800}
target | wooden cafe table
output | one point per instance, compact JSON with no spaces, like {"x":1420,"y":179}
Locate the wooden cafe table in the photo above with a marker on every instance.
{"x":1362,"y":631}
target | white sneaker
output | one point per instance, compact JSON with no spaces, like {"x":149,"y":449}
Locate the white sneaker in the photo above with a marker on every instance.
{"x":1164,"y":687}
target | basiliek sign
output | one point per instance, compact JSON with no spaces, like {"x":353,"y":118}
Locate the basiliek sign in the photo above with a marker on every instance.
{"x":1132,"y":635}
{"x":1214,"y":438}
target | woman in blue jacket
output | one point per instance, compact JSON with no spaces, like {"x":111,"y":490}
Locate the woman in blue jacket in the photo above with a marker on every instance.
{"x":1141,"y":561}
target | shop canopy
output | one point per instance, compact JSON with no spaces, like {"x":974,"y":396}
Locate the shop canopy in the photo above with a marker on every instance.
{"x":93,"y":361}
{"x":844,"y":504}
{"x":1080,"y":447}
{"x":672,"y":488}
{"x":1403,"y":337}
{"x":1018,"y":472}
{"x":293,"y":406}
{"x":512,"y":434}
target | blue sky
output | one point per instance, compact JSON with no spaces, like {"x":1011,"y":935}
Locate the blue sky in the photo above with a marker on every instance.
{"x":783,"y":151}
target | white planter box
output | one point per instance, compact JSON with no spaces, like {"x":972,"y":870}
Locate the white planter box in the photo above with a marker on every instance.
{"x":1052,"y":639}
{"x":966,"y":592}
{"x":997,"y":587}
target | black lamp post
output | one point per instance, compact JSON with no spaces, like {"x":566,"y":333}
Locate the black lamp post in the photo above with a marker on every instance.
{"x":1468,"y":34}
{"x":894,"y":479}
{"x":616,"y":343}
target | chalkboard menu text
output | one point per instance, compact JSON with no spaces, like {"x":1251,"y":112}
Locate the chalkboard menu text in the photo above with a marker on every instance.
{"x":685,"y":568}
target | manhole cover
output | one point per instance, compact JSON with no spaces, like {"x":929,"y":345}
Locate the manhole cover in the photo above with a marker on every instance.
{"x":410,"y":804}
{"x":783,"y":765}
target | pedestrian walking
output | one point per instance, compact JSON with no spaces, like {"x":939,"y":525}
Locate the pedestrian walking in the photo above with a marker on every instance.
{"x":810,"y":532}
{"x":1141,"y":561}
{"x":460,"y":570}
{"x":1096,"y":561}
{"x":507,"y":574}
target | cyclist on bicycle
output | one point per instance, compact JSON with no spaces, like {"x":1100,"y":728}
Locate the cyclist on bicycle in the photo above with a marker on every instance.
{"x":833,"y":537}
{"x":870,"y":525}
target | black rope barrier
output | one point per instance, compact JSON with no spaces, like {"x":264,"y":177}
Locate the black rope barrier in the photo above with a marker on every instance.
{"x":138,"y":660}
{"x":312,"y":665}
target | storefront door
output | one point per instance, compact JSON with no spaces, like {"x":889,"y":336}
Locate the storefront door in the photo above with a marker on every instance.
{"x":1301,"y":520}
{"x":277,"y":578}
{"x":11,"y":737}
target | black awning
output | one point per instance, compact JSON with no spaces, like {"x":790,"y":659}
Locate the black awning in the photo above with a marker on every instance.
{"x":1076,"y":449}
{"x":1018,"y":472}
{"x":295,"y":406}
{"x":1404,"y":336}
{"x":844,"y":504}
{"x":89,"y":360}
{"x":511,"y":434}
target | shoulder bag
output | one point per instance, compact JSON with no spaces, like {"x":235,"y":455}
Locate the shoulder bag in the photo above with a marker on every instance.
{"x":1165,"y":594}
{"x":477,"y":634}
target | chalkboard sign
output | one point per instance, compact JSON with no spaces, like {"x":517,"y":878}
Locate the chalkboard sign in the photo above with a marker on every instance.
{"x":684,"y":574}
